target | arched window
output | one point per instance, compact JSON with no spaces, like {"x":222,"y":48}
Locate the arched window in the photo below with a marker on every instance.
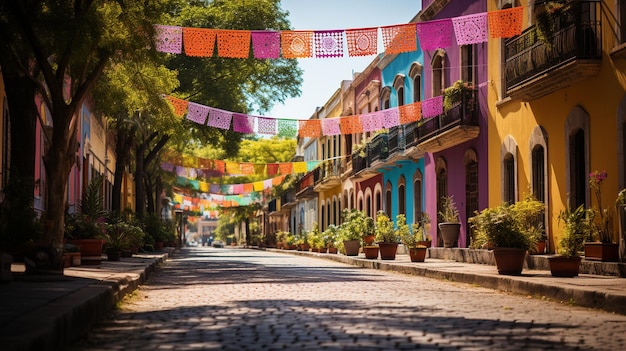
{"x":508,"y":167}
{"x":368,"y":205}
{"x":328,"y":211}
{"x":417,"y":196}
{"x":438,"y":75}
{"x":334,"y":211}
{"x":415,"y":73}
{"x":398,"y":84}
{"x":402,"y":196}
{"x":508,"y":156}
{"x":321,"y":226}
{"x":468,"y":63}
{"x":471,"y":189}
{"x":378,"y":201}
{"x":539,"y":172}
{"x":388,"y":199}
{"x":385,"y":96}
{"x":577,"y":159}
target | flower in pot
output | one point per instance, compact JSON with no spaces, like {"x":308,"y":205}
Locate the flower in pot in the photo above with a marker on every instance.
{"x":330,"y":236}
{"x":386,"y":236}
{"x":575,"y":227}
{"x":449,"y":225}
{"x":501,"y":228}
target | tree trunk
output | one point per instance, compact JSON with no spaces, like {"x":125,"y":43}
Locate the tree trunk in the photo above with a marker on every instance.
{"x":16,"y":214}
{"x":149,"y":193}
{"x":140,"y":193}
{"x":123,"y":147}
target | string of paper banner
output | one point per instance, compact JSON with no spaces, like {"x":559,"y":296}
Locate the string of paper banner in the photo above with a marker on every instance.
{"x":230,"y":189}
{"x":470,"y":29}
{"x":206,"y":202}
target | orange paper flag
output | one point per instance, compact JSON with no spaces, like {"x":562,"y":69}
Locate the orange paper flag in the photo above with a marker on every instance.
{"x":411,"y":112}
{"x":199,"y":41}
{"x":233,"y":43}
{"x":180,"y":105}
{"x":400,"y":38}
{"x":506,"y":23}
{"x":296,"y":44}
{"x":310,"y":128}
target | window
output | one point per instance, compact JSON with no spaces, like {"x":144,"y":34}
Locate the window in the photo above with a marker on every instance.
{"x":378,"y":200}
{"x":402,"y":196}
{"x":622,"y":20}
{"x":538,"y":173}
{"x":577,"y":156}
{"x":508,"y":167}
{"x":441,"y":170}
{"x":508,"y":171}
{"x":417,"y":196}
{"x":416,"y":77}
{"x":328,"y":211}
{"x":368,"y":204}
{"x":388,"y":199}
{"x":438,"y":72}
{"x":398,"y":84}
{"x":400,"y":96}
{"x":578,"y":179}
{"x":322,"y":217}
{"x":471,"y":190}
{"x":468,"y":63}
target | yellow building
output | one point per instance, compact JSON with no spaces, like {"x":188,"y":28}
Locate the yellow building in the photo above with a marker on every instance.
{"x":328,"y":181}
{"x":558,"y":106}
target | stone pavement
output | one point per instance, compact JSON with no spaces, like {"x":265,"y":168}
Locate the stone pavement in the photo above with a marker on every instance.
{"x":49,"y":312}
{"x":49,"y":315}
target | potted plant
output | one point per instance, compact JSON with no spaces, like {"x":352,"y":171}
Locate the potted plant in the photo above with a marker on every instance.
{"x":501,"y":228}
{"x":547,"y":21}
{"x":453,"y":94}
{"x":449,"y":225}
{"x":352,"y":229}
{"x":576,"y":226}
{"x":119,"y":236}
{"x":620,"y":204}
{"x":601,"y":246}
{"x":386,"y":236}
{"x":412,"y":239}
{"x":330,"y":237}
{"x":86,"y":228}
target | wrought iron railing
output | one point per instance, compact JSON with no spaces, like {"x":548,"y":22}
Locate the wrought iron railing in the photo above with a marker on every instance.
{"x":465,"y":112}
{"x":577,"y":35}
{"x":329,"y":169}
{"x":378,"y":148}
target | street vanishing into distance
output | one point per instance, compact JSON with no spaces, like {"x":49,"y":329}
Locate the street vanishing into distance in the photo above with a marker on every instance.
{"x":208,"y":298}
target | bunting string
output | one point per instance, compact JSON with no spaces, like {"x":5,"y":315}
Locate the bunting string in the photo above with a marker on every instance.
{"x":469,"y":29}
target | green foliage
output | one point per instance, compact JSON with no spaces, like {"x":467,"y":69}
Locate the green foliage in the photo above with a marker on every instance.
{"x":508,"y":225}
{"x":384,"y":229}
{"x":528,"y":214}
{"x":18,"y":219}
{"x":331,"y":235}
{"x":453,"y":94}
{"x":89,"y":222}
{"x":122,"y":235}
{"x":576,"y":225}
{"x":404,"y":233}
{"x":159,"y":230}
{"x":449,"y":212}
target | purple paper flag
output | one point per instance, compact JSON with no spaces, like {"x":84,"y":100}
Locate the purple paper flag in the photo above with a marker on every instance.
{"x":197,"y":113}
{"x":330,"y":126}
{"x":372,"y":121}
{"x":266,"y":125}
{"x":219,"y":118}
{"x":243,"y":123}
{"x":168,"y":39}
{"x":471,"y":29}
{"x":329,"y":43}
{"x":391,"y":117}
{"x":432,"y":107}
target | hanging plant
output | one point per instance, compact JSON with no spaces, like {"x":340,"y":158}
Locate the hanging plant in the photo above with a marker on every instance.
{"x":547,"y":21}
{"x":453,"y":94}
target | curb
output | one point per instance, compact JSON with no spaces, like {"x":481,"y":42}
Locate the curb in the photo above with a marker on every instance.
{"x":580,"y":295}
{"x":58,"y":324}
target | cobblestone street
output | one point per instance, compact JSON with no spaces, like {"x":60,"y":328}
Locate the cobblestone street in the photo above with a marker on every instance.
{"x":239,"y":299}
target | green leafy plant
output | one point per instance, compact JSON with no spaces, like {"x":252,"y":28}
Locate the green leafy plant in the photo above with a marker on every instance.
{"x":355,"y":225}
{"x":121,"y":235}
{"x":576,"y":225}
{"x":453,"y":94}
{"x":501,"y":227}
{"x":89,"y":222}
{"x":602,"y":228}
{"x":330,"y":236}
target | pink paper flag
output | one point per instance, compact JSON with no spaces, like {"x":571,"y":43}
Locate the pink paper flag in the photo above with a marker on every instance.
{"x":372,"y":122}
{"x":197,"y":113}
{"x":266,"y":44}
{"x":266,"y":125}
{"x":238,"y":189}
{"x":243,"y":123}
{"x":330,"y":126}
{"x":391,"y":117}
{"x":219,"y":118}
{"x":267,"y":184}
{"x":432,"y":107}
{"x":329,"y":43}
{"x":471,"y":29}
{"x":168,"y":39}
{"x":435,"y":34}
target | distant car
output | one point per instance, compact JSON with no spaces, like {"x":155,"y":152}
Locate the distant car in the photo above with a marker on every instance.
{"x":218,"y":243}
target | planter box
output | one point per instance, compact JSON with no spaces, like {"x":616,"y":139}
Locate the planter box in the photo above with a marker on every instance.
{"x":564,"y":266}
{"x":606,"y":252}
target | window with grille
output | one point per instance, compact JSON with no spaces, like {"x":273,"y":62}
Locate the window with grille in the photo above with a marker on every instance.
{"x":508,"y":165}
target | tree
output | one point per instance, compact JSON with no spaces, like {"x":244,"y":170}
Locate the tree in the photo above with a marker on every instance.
{"x":62,"y":48}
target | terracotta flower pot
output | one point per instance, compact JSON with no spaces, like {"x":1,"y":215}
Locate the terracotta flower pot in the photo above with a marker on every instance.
{"x":509,"y":260}
{"x":388,"y":250}
{"x":450,"y":233}
{"x":561,"y":266}
{"x":418,"y":254}
{"x":371,"y":252}
{"x":352,"y":247}
{"x":597,"y":251}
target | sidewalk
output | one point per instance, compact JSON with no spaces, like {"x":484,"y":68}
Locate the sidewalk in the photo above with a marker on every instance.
{"x":50,"y":312}
{"x":596,"y":291}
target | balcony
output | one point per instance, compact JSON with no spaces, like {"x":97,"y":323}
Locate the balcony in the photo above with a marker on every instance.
{"x":329,"y":175}
{"x":288,"y":200}
{"x":402,"y":144}
{"x":453,"y":127}
{"x":573,"y":53}
{"x":305,"y":186}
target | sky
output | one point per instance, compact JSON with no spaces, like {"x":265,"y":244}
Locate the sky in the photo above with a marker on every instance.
{"x":322,"y":77}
